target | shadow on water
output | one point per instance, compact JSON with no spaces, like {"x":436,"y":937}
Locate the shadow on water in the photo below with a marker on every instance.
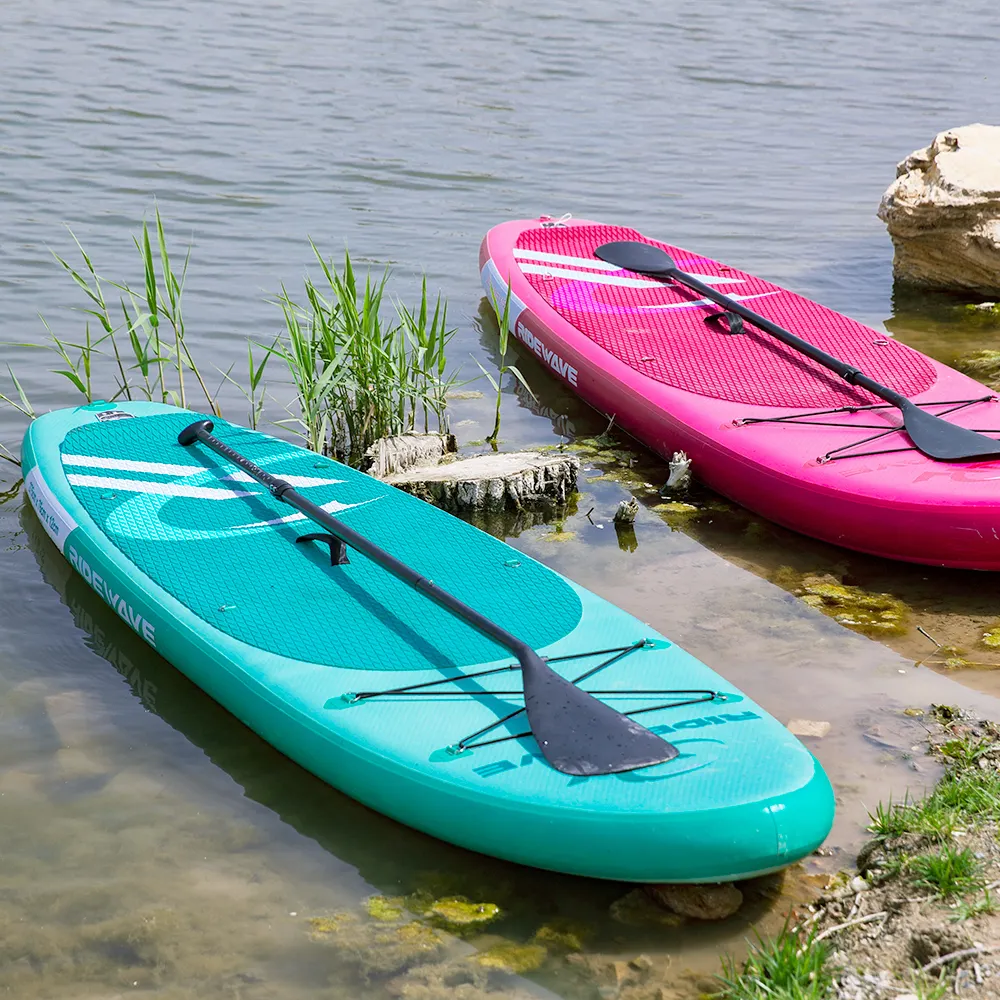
{"x":613,"y":921}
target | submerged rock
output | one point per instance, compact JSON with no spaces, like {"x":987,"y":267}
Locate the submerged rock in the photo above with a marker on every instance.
{"x":509,"y":956}
{"x":943,"y":212}
{"x":505,"y":481}
{"x":703,"y":902}
{"x":457,"y":914}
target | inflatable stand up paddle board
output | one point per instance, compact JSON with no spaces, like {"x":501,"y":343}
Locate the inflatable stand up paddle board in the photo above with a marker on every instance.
{"x":416,"y":663}
{"x":852,"y":437}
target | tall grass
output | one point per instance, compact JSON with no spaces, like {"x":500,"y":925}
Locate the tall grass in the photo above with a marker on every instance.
{"x":360,"y":368}
{"x":361,"y":372}
{"x":139,"y":334}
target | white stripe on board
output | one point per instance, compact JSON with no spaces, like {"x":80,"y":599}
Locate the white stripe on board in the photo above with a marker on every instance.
{"x":165,"y":469}
{"x":157,"y":489}
{"x":621,"y":281}
{"x":127,"y":465}
{"x":706,"y":302}
{"x":561,"y":258}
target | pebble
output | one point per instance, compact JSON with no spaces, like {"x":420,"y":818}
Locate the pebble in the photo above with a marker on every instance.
{"x":858,"y":884}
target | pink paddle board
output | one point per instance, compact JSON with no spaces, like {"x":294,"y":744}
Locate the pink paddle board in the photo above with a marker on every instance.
{"x":765,"y":426}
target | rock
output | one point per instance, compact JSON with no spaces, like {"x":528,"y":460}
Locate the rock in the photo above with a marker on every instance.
{"x":808,"y":727}
{"x":627,"y":510}
{"x":397,"y":454}
{"x":680,"y":472}
{"x":493,"y":482}
{"x":943,"y":212}
{"x":704,"y":902}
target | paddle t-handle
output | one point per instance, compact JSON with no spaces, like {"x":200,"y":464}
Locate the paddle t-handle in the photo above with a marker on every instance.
{"x":930,"y":434}
{"x":577,"y":733}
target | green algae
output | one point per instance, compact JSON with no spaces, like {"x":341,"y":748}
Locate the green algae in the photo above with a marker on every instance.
{"x":991,"y":638}
{"x":677,"y":514}
{"x":384,"y":908}
{"x":984,"y":366}
{"x":562,"y":935}
{"x":867,"y":612}
{"x":456,"y":913}
{"x":509,"y":956}
{"x":331,"y":924}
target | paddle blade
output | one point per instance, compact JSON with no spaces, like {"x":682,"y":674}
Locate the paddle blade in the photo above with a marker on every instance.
{"x":643,"y":258}
{"x":946,"y":442}
{"x":580,"y":735}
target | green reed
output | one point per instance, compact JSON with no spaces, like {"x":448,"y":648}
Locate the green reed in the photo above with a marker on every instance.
{"x":360,"y":369}
{"x":503,"y":330}
{"x":361,"y":372}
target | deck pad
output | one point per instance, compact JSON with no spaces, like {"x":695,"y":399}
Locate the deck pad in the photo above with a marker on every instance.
{"x":239,"y":568}
{"x":659,"y":329}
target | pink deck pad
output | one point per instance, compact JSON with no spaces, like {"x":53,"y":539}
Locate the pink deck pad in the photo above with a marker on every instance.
{"x":640,"y":350}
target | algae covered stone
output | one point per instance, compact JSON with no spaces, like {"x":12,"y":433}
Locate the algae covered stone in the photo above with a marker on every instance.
{"x":509,"y":956}
{"x":561,"y":935}
{"x":384,"y":908}
{"x":457,"y":913}
{"x":863,"y":611}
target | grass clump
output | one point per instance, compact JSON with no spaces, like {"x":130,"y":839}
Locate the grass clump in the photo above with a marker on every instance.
{"x":967,"y":909}
{"x":793,"y":966}
{"x":359,"y":368}
{"x":948,"y":873}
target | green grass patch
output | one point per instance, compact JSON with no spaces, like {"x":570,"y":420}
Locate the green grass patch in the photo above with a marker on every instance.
{"x":792,"y":966}
{"x":948,"y":873}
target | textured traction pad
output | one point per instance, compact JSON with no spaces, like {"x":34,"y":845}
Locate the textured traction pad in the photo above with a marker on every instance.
{"x":660,"y":330}
{"x":186,"y":526}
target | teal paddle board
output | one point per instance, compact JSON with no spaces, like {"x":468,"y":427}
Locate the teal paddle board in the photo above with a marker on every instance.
{"x":391,"y":696}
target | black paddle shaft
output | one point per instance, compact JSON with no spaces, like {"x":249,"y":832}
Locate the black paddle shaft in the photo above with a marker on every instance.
{"x":577,"y":733}
{"x":929,"y":433}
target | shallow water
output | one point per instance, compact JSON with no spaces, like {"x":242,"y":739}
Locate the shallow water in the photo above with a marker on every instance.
{"x":149,"y":841}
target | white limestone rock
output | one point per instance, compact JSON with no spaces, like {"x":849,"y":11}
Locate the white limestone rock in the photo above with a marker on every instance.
{"x":943,"y":212}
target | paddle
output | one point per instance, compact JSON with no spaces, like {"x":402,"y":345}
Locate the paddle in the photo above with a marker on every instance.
{"x":576,"y":733}
{"x":932,"y":435}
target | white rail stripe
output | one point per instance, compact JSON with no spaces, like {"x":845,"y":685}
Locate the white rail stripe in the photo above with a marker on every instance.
{"x":561,"y":258}
{"x":621,"y":281}
{"x":157,"y":489}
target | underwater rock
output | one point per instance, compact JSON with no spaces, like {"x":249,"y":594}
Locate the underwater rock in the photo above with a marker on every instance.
{"x":703,"y":902}
{"x":561,"y":935}
{"x":505,"y":481}
{"x":638,"y":909}
{"x":457,"y":914}
{"x":943,"y":212}
{"x":509,"y":956}
{"x":384,"y":908}
{"x":869,"y":613}
{"x":397,"y":454}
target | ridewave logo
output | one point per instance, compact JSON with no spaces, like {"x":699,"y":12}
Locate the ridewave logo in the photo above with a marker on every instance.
{"x":556,"y":363}
{"x":139,"y":622}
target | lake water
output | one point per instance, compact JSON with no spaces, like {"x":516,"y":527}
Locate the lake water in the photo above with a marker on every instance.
{"x":150,"y":843}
